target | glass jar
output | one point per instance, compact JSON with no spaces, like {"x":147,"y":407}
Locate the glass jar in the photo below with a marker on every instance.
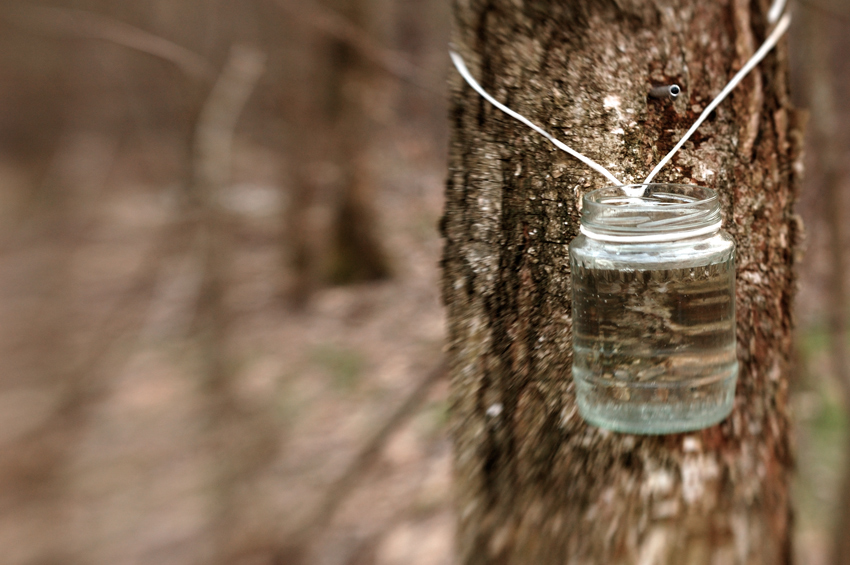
{"x":653,"y":283}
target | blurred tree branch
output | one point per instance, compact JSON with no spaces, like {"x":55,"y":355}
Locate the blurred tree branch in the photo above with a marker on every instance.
{"x":338,"y":492}
{"x":825,"y":10}
{"x":212,"y":154}
{"x":243,"y":444}
{"x":86,"y":24}
{"x":330,"y":22}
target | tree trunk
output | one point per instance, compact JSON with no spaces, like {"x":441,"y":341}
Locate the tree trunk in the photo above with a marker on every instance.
{"x":356,"y":251}
{"x":332,"y":115}
{"x":535,"y":483}
{"x":828,"y":152}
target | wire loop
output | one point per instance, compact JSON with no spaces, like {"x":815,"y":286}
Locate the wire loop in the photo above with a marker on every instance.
{"x":765,"y":48}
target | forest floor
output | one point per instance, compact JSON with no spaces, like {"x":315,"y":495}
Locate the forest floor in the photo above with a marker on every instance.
{"x":140,"y":483}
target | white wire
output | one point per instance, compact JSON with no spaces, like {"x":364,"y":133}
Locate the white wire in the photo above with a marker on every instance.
{"x":768,"y":44}
{"x":464,"y":72}
{"x":775,"y":11}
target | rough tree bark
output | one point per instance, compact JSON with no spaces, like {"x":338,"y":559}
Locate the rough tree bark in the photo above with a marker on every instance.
{"x":535,"y":483}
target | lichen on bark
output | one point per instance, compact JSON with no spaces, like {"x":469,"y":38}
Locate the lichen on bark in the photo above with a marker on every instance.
{"x":535,"y":484}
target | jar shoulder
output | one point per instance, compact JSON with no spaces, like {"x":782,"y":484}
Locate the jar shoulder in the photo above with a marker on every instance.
{"x":717,"y":248}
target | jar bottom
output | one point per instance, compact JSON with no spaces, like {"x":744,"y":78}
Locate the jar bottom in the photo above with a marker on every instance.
{"x":656,"y":408}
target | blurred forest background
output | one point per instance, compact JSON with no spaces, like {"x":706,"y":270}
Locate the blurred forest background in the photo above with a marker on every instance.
{"x":221,"y":328}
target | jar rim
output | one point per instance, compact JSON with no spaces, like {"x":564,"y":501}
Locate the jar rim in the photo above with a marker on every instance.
{"x":650,"y":212}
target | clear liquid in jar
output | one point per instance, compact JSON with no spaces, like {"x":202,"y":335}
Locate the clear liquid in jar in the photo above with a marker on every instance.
{"x":654,"y":350}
